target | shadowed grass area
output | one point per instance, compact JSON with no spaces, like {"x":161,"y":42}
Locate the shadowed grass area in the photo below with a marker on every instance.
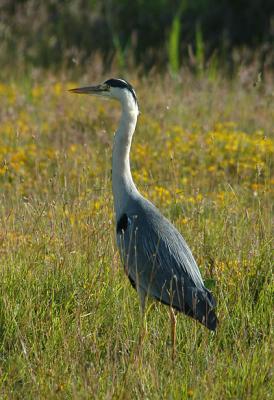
{"x":69,"y":319}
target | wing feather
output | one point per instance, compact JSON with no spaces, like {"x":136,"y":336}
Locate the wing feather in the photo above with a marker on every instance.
{"x":159,"y":261}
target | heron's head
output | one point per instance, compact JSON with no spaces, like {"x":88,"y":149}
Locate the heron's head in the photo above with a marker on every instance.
{"x":118,"y":89}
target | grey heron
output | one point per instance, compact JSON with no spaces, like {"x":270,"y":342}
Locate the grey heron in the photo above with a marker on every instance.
{"x":156,"y":258}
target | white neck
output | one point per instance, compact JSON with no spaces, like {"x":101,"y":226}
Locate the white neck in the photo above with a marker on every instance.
{"x":123,"y":186}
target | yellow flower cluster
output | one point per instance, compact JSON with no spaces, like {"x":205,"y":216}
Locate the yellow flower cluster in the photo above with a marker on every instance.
{"x":236,"y":269}
{"x":53,"y":147}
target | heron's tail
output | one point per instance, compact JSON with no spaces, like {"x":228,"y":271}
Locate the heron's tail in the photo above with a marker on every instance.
{"x":202,"y":308}
{"x":211,"y":320}
{"x":206,"y":313}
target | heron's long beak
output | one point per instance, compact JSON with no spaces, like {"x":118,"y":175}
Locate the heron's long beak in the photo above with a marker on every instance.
{"x":100,"y":89}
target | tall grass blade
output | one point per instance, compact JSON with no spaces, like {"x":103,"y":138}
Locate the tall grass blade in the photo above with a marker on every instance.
{"x":200,"y":51}
{"x":174,"y":45}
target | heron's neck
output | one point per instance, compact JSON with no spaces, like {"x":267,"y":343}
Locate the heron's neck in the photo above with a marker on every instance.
{"x":122,"y":183}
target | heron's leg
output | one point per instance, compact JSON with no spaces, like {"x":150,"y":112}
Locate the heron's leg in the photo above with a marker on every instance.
{"x":143,"y":326}
{"x":142,"y":298}
{"x":173,"y":331}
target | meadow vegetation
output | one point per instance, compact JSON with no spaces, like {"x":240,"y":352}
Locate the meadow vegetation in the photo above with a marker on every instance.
{"x":203,"y":153}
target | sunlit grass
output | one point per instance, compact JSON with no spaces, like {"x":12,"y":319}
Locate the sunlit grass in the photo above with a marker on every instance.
{"x":69,"y":319}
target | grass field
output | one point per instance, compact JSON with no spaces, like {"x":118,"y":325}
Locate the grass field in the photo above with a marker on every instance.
{"x":69,"y":319}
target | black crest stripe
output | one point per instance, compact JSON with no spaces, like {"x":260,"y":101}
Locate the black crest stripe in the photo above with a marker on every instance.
{"x":123,"y":84}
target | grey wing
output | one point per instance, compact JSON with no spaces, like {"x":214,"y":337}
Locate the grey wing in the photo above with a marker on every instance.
{"x":158,"y":260}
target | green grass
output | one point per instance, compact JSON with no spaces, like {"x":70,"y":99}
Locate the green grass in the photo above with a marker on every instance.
{"x":69,"y":319}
